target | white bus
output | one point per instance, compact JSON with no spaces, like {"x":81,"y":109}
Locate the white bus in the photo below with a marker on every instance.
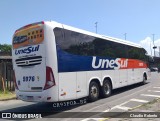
{"x":55,"y":62}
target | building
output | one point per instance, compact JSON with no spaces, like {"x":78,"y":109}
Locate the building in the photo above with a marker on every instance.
{"x":6,"y":72}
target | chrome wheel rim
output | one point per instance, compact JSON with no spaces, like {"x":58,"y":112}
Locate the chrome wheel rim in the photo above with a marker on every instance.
{"x":94,"y":91}
{"x":107,"y":88}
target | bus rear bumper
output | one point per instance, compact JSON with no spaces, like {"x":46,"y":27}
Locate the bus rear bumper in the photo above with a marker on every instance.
{"x":43,"y":96}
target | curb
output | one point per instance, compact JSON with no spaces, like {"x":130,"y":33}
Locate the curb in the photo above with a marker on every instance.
{"x":13,"y":98}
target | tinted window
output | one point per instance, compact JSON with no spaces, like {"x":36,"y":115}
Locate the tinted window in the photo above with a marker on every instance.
{"x":136,"y":53}
{"x":81,"y":44}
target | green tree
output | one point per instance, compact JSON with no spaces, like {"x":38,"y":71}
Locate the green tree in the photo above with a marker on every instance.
{"x":6,"y":48}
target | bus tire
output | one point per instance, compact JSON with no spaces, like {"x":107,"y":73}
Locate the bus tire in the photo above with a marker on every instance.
{"x":144,"y":79}
{"x":93,"y":91}
{"x":106,"y":89}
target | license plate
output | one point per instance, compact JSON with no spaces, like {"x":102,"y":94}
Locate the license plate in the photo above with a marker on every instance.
{"x":30,"y":97}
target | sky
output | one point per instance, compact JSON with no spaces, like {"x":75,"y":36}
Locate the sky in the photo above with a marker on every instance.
{"x":139,"y":19}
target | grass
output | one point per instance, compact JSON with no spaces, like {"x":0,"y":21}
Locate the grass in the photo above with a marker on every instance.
{"x":148,"y":105}
{"x":7,"y":95}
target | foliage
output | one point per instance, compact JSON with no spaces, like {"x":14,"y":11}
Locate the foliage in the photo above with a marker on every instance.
{"x":7,"y":95}
{"x":6,"y":48}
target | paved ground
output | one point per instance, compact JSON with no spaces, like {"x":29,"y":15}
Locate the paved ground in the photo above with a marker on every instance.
{"x":146,"y":112}
{"x":122,"y":100}
{"x":144,"y":107}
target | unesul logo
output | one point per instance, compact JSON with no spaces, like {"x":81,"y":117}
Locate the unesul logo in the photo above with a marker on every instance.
{"x":106,"y":63}
{"x":27,"y":50}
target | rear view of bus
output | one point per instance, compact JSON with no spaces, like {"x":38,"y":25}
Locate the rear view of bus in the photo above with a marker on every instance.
{"x":34,"y":78}
{"x":55,"y":62}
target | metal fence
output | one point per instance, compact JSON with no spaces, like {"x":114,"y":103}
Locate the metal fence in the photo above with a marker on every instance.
{"x":6,"y":76}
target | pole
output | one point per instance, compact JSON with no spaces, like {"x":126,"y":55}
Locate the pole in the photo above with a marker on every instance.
{"x":125,"y":36}
{"x":153,"y":43}
{"x":151,"y":48}
{"x":159,"y":51}
{"x":96,"y":26}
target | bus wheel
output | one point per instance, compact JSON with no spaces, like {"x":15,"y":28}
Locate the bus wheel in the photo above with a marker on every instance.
{"x":144,"y":79}
{"x":93,"y":91}
{"x":106,"y":89}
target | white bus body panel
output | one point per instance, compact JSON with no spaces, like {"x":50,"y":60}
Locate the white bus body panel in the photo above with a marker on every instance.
{"x":69,"y":85}
{"x":123,"y":77}
{"x":81,"y":86}
{"x":25,"y":84}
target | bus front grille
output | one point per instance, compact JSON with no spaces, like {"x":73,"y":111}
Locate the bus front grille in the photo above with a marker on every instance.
{"x":29,"y":61}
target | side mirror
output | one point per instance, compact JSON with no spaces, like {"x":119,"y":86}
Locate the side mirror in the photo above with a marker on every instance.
{"x":150,"y":59}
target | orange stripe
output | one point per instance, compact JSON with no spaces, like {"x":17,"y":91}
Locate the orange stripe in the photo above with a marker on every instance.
{"x":133,"y":63}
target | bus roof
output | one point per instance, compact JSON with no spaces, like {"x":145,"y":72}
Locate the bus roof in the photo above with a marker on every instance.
{"x":56,"y":24}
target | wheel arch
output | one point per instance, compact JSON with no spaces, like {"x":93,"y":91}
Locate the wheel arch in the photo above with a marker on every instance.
{"x":97,"y":80}
{"x":109,"y":79}
{"x":145,"y":74}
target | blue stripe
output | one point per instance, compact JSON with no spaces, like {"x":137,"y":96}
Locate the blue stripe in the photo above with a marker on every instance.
{"x":71,"y":63}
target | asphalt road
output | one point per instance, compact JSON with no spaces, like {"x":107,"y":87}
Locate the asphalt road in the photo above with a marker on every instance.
{"x":121,"y":100}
